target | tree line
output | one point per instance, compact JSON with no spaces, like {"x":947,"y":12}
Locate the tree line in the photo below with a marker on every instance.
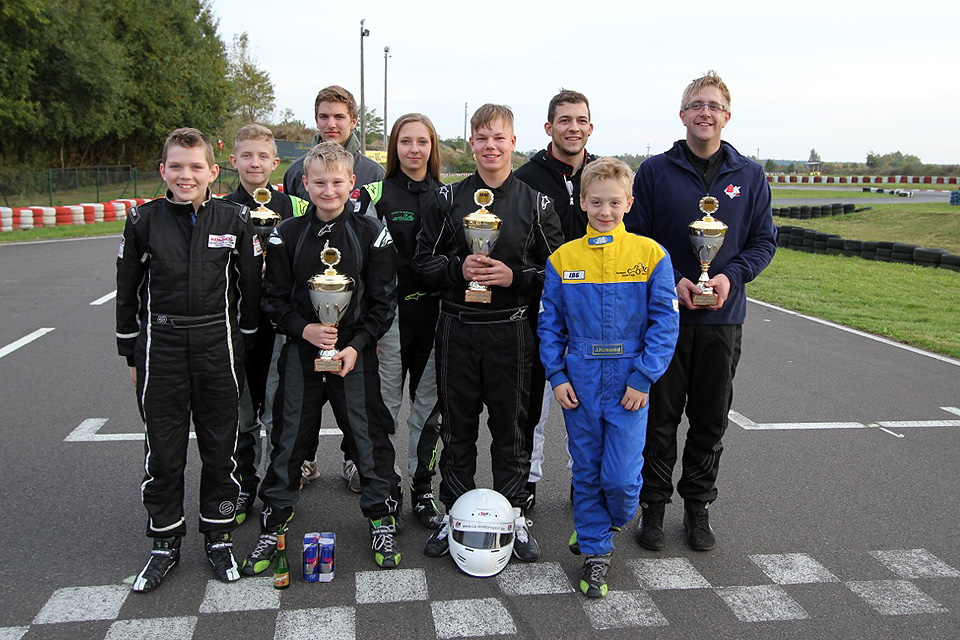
{"x":94,"y":81}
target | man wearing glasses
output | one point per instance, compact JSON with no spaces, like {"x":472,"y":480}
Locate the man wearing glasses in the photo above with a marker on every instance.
{"x":668,"y":189}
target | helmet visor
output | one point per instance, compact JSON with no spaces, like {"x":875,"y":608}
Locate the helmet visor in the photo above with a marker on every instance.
{"x":483,"y":539}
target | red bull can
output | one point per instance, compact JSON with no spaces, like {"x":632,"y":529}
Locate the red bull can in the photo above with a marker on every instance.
{"x":328,"y":564}
{"x":311,"y":557}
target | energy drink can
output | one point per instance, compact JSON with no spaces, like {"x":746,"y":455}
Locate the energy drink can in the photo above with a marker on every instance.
{"x":311,"y":557}
{"x":328,"y":565}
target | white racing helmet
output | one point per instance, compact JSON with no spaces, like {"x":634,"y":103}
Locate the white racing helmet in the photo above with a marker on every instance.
{"x":482,"y":525}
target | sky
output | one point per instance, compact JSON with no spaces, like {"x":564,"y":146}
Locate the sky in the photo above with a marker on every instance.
{"x":844,"y":77}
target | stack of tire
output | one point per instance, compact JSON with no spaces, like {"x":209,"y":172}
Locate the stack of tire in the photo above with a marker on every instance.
{"x":805,"y":212}
{"x":813,"y":241}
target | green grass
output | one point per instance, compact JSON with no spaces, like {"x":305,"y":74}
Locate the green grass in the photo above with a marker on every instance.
{"x":906,"y":303}
{"x":815,"y":195}
{"x":928,"y":224}
{"x":66,"y":231}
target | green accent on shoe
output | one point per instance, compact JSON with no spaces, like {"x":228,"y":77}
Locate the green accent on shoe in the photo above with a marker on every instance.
{"x":585,"y":590}
{"x":574,"y":544}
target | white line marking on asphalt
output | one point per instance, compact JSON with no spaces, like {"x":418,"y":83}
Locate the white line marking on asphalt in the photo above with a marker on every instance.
{"x":88,"y":431}
{"x":761,"y":603}
{"x":885,"y":430}
{"x":399,"y":585}
{"x":793,"y":568}
{"x":862,"y":334}
{"x":909,"y":424}
{"x":80,"y":604}
{"x":332,"y":623}
{"x":471,"y":618}
{"x":749,"y":425}
{"x":667,"y":573}
{"x":13,"y":633}
{"x":249,"y":594}
{"x":107,"y":298}
{"x":537,"y":579}
{"x":915,"y":563}
{"x":895,"y":597}
{"x":167,"y":628}
{"x":27,"y":339}
{"x":623,"y":609}
{"x":954,"y":410}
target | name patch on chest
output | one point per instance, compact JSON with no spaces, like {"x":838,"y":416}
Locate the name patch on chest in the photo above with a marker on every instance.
{"x":227,"y":240}
{"x":574,"y":275}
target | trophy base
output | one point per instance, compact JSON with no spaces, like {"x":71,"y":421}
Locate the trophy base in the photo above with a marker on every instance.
{"x":478,"y":295}
{"x":322,"y":365}
{"x":704,"y":299}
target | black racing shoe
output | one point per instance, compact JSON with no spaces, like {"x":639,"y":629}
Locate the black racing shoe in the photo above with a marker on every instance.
{"x":220,"y":555}
{"x":438,"y":544}
{"x":425,"y":506}
{"x":385,"y":553}
{"x":649,"y":534}
{"x":525,"y":547}
{"x":262,"y":555}
{"x":593,"y":579}
{"x":574,"y":543}
{"x":696,"y":522}
{"x":163,"y":558}
{"x":531,"y":497}
{"x":244,"y":506}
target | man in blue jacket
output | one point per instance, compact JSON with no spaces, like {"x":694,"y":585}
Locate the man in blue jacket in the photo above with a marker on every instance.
{"x":667,"y":189}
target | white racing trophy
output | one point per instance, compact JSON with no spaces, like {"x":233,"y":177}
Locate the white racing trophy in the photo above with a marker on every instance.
{"x":481,"y":229}
{"x":330,"y":294}
{"x":264,"y":220}
{"x":706,"y":236}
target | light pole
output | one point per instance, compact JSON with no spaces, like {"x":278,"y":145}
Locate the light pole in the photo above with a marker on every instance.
{"x":363,"y":104}
{"x":386,"y":54}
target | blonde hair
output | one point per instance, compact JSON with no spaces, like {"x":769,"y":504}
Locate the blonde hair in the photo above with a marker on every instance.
{"x":331,"y":156}
{"x":255,"y":132}
{"x":188,"y":138}
{"x":607,"y":169}
{"x":487,"y":113}
{"x":711,"y":79}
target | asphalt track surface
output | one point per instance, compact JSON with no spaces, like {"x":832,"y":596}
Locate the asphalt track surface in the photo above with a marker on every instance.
{"x":837,"y":516}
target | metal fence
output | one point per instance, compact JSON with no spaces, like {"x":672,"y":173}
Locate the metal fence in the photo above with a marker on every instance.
{"x":54,"y":187}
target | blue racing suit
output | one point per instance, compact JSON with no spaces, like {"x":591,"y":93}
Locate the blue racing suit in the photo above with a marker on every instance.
{"x":609,"y":320}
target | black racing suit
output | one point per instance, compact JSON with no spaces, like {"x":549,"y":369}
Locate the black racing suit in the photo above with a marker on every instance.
{"x":485,"y":350}
{"x":253,"y":397}
{"x":408,"y":345}
{"x":557,"y":179}
{"x":365,"y":169}
{"x":368,"y":256}
{"x":187,"y":296}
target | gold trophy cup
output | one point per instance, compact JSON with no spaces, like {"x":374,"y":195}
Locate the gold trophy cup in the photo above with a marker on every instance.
{"x":264,"y":220}
{"x":481,"y":228}
{"x":706,"y":236}
{"x":330,"y":294}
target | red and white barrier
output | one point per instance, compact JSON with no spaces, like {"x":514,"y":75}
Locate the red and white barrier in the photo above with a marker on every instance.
{"x":12,"y":218}
{"x":801,"y":179}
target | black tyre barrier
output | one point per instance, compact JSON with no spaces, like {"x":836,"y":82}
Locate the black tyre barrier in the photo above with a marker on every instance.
{"x":928,"y":257}
{"x":795,"y":213}
{"x":804,"y":212}
{"x":837,"y":208}
{"x":815,"y":211}
{"x":813,"y":241}
{"x":776,"y":211}
{"x":950,"y":261}
{"x":849,"y":208}
{"x":851,"y":248}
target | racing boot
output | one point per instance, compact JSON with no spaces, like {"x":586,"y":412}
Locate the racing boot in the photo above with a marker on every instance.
{"x":163,"y":558}
{"x":220,"y":555}
{"x":696,"y":522}
{"x":649,"y":534}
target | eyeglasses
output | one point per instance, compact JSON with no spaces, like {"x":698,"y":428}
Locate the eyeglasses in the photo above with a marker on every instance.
{"x":699,"y":106}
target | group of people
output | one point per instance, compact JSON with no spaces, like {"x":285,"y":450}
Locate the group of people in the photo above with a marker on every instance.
{"x":589,"y":301}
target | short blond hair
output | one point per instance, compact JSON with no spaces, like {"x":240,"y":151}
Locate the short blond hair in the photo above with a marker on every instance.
{"x":255,"y":132}
{"x":711,"y":79}
{"x":607,"y":169}
{"x":329,"y":155}
{"x":487,"y":113}
{"x":188,"y":138}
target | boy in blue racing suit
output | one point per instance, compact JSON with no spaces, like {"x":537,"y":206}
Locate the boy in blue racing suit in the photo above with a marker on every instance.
{"x":608,"y":328}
